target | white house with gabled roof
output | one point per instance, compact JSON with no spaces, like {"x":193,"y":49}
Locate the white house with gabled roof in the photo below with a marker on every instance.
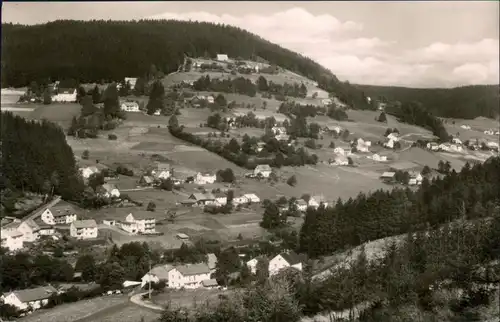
{"x":205,"y":178}
{"x":263,"y":169}
{"x":84,"y":229}
{"x":188,"y":276}
{"x":144,"y":220}
{"x":29,"y":299}
{"x":284,"y":260}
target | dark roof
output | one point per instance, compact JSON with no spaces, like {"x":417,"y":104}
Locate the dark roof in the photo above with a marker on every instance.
{"x":193,"y":269}
{"x":210,"y":283}
{"x":35,"y":294}
{"x":291,"y":257}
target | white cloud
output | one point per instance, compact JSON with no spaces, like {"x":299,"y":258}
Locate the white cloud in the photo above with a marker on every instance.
{"x":342,"y":47}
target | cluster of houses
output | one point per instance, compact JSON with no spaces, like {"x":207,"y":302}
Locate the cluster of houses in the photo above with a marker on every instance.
{"x":415,"y":176}
{"x":219,"y":199}
{"x":141,"y":222}
{"x":192,"y":276}
{"x":313,"y":202}
{"x":17,"y":233}
{"x":455,"y":146}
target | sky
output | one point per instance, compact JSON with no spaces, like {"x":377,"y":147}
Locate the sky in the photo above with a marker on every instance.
{"x":413,"y":43}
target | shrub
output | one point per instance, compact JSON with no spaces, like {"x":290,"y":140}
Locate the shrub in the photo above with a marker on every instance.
{"x":112,"y":137}
{"x":292,"y":181}
{"x":151,"y":206}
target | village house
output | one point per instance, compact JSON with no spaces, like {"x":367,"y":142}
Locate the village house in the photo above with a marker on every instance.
{"x":157,"y":112}
{"x":211,"y":262}
{"x":222,"y":57}
{"x":130,"y":107}
{"x":146,"y":181}
{"x":108,"y":190}
{"x":65,"y":95}
{"x":205,"y":178}
{"x":263,"y":170}
{"x":362,"y":145}
{"x":47,"y":230}
{"x":109,"y":222}
{"x":444,"y":147}
{"x":465,"y":127}
{"x":339,"y":151}
{"x":210,"y":99}
{"x":388,"y":176}
{"x":492,"y":146}
{"x":489,"y":132}
{"x":251,"y":198}
{"x":131,"y":80}
{"x":284,"y":260}
{"x":145,"y":221}
{"x":433,"y":146}
{"x":301,"y":204}
{"x":129,"y":227}
{"x":456,"y":148}
{"x":239,"y":201}
{"x":88,"y":171}
{"x":252,"y":265}
{"x":47,"y":217}
{"x":64,"y":216}
{"x":163,"y":171}
{"x":220,"y":198}
{"x":12,"y":239}
{"x":340,"y":160}
{"x":379,"y":158}
{"x":389,"y":144}
{"x":156,"y":274}
{"x":210,"y":284}
{"x":456,"y":141}
{"x":83,"y":229}
{"x":278,"y":130}
{"x":188,"y":276}
{"x":416,"y":178}
{"x":203,"y":199}
{"x":326,"y":101}
{"x":393,"y":136}
{"x":332,"y":128}
{"x":30,"y":230}
{"x":29,"y":299}
{"x":316,"y":201}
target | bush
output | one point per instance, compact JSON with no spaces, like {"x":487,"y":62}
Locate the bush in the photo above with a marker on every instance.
{"x":151,"y":206}
{"x":292,"y":181}
{"x":85,"y":155}
{"x":112,"y":137}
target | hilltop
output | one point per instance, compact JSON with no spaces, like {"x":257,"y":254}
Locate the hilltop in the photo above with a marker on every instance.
{"x":466,"y":102}
{"x":117,"y":49}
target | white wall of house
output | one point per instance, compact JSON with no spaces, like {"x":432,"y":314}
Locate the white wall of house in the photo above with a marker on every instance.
{"x":278,"y":263}
{"x":142,"y":225}
{"x":83,"y":233}
{"x":252,"y":265}
{"x":221,"y":201}
{"x":149,"y":278}
{"x":163,"y":174}
{"x":12,"y":243}
{"x":177,"y":280}
{"x":12,"y":299}
{"x":47,"y":217}
{"x":47,"y":231}
{"x":62,"y":97}
{"x":28,"y":234}
{"x":130,"y":107}
{"x":66,"y":219}
{"x":205,"y":179}
{"x":129,"y":227}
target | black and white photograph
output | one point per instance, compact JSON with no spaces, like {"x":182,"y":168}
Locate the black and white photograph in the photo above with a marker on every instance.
{"x":250,"y":161}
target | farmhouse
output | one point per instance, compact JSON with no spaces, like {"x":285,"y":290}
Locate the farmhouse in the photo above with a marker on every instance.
{"x":146,"y":181}
{"x":33,"y":298}
{"x":156,"y":274}
{"x":222,"y":57}
{"x":433,"y":146}
{"x":339,"y":151}
{"x":340,"y":160}
{"x":362,"y":145}
{"x":188,"y":276}
{"x":220,"y":198}
{"x":47,"y":217}
{"x":47,"y":230}
{"x":205,"y":178}
{"x":389,"y":144}
{"x":109,"y":222}
{"x":182,"y":236}
{"x":131,"y":80}
{"x":88,"y":171}
{"x":393,"y":136}
{"x":301,"y":205}
{"x":492,"y":145}
{"x":65,"y":95}
{"x":489,"y":132}
{"x":64,"y":217}
{"x":465,"y":127}
{"x":162,"y":171}
{"x":263,"y":170}
{"x":284,"y":260}
{"x":326,"y":101}
{"x":379,"y":158}
{"x":144,"y":221}
{"x":416,"y":177}
{"x":444,"y":147}
{"x":12,"y":239}
{"x":251,"y":198}
{"x":83,"y":229}
{"x":316,"y":201}
{"x":240,"y":200}
{"x":388,"y":176}
{"x":108,"y":190}
{"x":210,"y":99}
{"x":129,"y":227}
{"x":129,"y":107}
{"x":456,"y":141}
{"x":30,"y":230}
{"x":203,"y":199}
{"x":332,"y":128}
{"x":278,"y":130}
{"x":211,"y":262}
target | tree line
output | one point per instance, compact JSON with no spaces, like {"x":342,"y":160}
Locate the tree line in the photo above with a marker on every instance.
{"x":473,"y":193}
{"x":465,"y":102}
{"x":37,"y":158}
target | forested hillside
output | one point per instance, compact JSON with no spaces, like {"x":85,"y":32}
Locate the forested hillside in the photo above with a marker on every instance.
{"x":36,"y":158}
{"x":111,"y":50}
{"x":461,"y":102}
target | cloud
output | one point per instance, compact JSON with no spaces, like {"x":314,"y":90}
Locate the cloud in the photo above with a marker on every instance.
{"x":343,"y":47}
